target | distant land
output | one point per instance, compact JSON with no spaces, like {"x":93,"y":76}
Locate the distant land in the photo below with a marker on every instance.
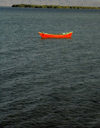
{"x":88,"y":3}
{"x":53,"y":6}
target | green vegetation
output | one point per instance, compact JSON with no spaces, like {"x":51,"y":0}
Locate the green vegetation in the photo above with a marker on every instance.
{"x":52,"y":6}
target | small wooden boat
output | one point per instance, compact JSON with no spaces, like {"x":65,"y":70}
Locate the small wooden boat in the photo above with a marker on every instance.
{"x":61,"y":36}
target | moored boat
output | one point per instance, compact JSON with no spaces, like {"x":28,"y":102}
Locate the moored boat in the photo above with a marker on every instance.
{"x":61,"y":36}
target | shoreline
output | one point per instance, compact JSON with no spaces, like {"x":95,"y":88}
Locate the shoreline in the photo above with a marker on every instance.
{"x":53,"y":6}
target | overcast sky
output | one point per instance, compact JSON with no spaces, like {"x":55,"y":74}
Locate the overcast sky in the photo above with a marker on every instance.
{"x":55,"y":2}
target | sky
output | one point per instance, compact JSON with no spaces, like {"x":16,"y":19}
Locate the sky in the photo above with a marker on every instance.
{"x":55,"y":2}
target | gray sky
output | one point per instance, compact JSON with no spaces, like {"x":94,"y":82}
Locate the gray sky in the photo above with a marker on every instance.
{"x":55,"y":2}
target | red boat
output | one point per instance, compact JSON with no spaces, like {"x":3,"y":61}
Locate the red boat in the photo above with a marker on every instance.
{"x":62,"y":36}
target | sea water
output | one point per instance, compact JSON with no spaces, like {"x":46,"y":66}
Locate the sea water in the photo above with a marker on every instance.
{"x":53,"y":83}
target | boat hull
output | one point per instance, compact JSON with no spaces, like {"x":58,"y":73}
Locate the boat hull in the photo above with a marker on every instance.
{"x":56,"y":36}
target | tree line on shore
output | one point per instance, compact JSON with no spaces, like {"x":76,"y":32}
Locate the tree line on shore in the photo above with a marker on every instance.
{"x":53,"y":6}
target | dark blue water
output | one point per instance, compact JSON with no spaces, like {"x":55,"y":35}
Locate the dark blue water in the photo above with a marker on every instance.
{"x":52,"y":83}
